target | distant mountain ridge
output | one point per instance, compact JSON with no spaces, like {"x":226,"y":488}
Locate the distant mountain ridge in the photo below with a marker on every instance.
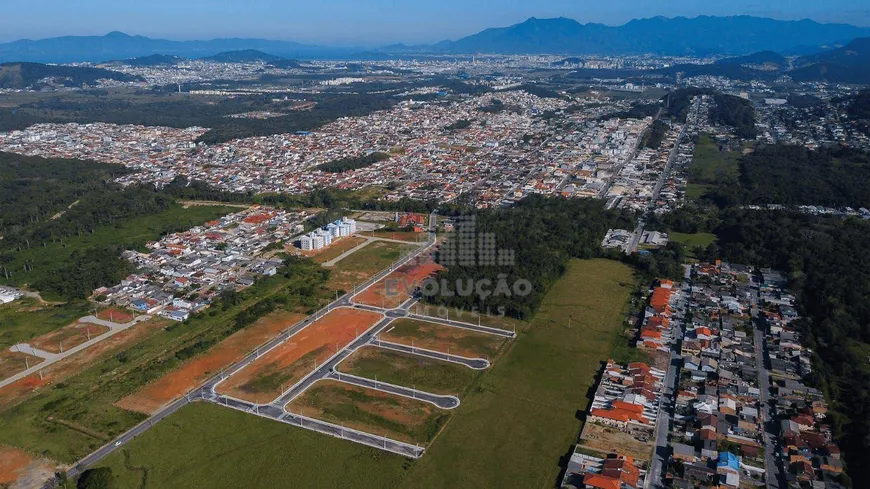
{"x":27,"y":75}
{"x":702,"y":35}
{"x":848,"y":64}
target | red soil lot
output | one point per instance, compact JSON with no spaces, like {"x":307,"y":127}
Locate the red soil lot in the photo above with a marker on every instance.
{"x":287,"y":364}
{"x":115,"y":315}
{"x":69,"y":336}
{"x":398,"y":286}
{"x":173,"y":385}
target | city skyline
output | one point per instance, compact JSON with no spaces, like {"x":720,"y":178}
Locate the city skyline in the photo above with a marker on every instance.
{"x":372,"y":23}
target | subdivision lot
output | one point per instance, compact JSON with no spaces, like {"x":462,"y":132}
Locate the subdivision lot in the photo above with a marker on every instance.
{"x":116,"y":315}
{"x":68,"y":337}
{"x":262,"y":381}
{"x":195,"y":371}
{"x":512,"y":428}
{"x":409,"y":236}
{"x":358,"y":267}
{"x":25,"y":319}
{"x":23,"y":469}
{"x":409,"y":370}
{"x":603,"y":440}
{"x":234,"y":450}
{"x":492,"y":318}
{"x":372,"y":411}
{"x":447,"y":339}
{"x":12,"y":362}
{"x":337,"y":248}
{"x":398,"y":286}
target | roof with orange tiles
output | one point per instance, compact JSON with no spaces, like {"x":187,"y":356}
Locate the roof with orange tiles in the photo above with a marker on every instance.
{"x":600,"y":482}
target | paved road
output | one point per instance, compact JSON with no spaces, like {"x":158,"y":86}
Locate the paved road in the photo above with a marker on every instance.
{"x":114,"y":328}
{"x":472,"y":363}
{"x":774,"y":476}
{"x":442,"y":401}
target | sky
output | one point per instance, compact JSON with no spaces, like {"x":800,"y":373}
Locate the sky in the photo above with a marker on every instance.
{"x":369,"y":22}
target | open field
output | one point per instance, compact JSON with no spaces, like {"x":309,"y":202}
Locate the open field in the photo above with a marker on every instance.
{"x":409,"y":236}
{"x":21,"y":469}
{"x":234,"y":450}
{"x":514,"y":424}
{"x":195,"y":371}
{"x":12,"y":362}
{"x":337,"y":248}
{"x":437,"y":337}
{"x":287,"y":364}
{"x":25,"y":319}
{"x":68,"y":337}
{"x":398,"y":286}
{"x":692,"y":240}
{"x":372,"y":411}
{"x":709,"y":164}
{"x":132,"y":233}
{"x":116,"y":315}
{"x":409,"y":370}
{"x":603,"y":439}
{"x":366,"y":262}
{"x":492,"y":319}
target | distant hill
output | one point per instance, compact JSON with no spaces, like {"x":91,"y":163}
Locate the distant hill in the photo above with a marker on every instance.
{"x":243,"y":56}
{"x":153,"y":60}
{"x":733,"y":71}
{"x":26,"y":75}
{"x":677,"y":36}
{"x":848,"y":64}
{"x":117,"y":45}
{"x":763,"y":58}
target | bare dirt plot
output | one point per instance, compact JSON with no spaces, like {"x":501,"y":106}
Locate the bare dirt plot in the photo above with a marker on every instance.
{"x":56,"y":372}
{"x":358,"y":267}
{"x":283,"y":366}
{"x":608,"y":440}
{"x":437,"y":337}
{"x":337,"y":248}
{"x":409,"y":370}
{"x":398,"y":286}
{"x":173,"y":385}
{"x":21,"y":469}
{"x":68,"y":337}
{"x":12,"y":362}
{"x":372,"y":411}
{"x":116,"y":315}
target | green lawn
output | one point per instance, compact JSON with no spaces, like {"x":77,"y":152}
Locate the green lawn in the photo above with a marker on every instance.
{"x":516,"y":422}
{"x":133,"y":233}
{"x":206,"y":446}
{"x":409,"y":370}
{"x":692,"y":240}
{"x":25,"y":319}
{"x":709,"y":163}
{"x":358,"y":267}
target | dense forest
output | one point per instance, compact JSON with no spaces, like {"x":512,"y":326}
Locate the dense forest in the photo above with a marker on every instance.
{"x":638,"y":111}
{"x":735,"y":112}
{"x":553,"y":231}
{"x":794,"y":175}
{"x":23,"y":75}
{"x":34,"y":189}
{"x":656,"y":134}
{"x":353,"y":163}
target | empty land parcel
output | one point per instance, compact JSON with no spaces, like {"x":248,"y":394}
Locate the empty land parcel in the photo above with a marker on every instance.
{"x":510,"y":431}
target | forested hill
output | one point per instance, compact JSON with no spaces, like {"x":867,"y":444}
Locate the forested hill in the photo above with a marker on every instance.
{"x":29,"y":75}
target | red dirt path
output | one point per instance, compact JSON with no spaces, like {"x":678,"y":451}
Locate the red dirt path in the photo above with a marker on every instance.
{"x":288,"y":363}
{"x":18,"y":466}
{"x":115,"y":315}
{"x":173,"y":385}
{"x":398,"y":286}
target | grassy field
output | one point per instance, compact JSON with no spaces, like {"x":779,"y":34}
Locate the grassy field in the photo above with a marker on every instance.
{"x":25,"y":319}
{"x":133,"y":233}
{"x":219,"y":447}
{"x":336,"y":250}
{"x":516,"y":422}
{"x":709,"y":163}
{"x":433,"y":336}
{"x":361,"y":265}
{"x":409,"y":370}
{"x":692,"y":240}
{"x":398,"y":417}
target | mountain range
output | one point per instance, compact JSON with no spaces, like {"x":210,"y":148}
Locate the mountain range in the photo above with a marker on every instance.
{"x":738,"y":35}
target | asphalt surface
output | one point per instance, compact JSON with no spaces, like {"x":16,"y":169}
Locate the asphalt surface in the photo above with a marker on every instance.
{"x":774,"y":476}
